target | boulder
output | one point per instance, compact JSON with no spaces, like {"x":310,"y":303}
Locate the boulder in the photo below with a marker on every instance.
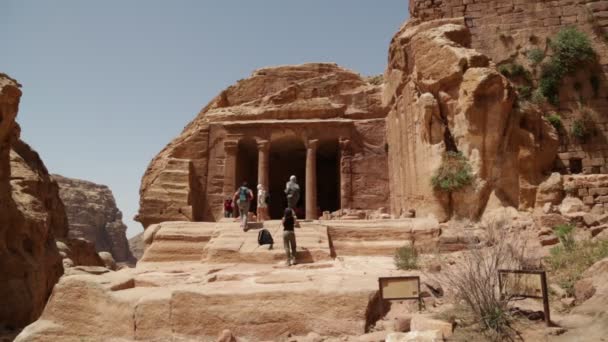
{"x":424,"y":323}
{"x":571,"y":205}
{"x":416,"y":336}
{"x":108,"y":260}
{"x":551,"y":191}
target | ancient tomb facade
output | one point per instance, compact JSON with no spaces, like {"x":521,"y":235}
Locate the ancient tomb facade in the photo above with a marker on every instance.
{"x":322,"y":123}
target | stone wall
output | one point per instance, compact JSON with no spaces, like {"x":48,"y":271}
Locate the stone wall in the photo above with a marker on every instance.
{"x":591,"y":189}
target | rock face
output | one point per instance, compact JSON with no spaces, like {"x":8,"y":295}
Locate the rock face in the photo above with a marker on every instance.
{"x":137,"y":245}
{"x":506,"y":30}
{"x":320,"y":122}
{"x":31,"y":217}
{"x":93,"y":216}
{"x":444,"y":96}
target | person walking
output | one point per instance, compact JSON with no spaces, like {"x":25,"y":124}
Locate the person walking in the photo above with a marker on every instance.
{"x":262,"y":211}
{"x":292,"y":190}
{"x":243,"y":197}
{"x":289,"y":236}
{"x":228,"y":209}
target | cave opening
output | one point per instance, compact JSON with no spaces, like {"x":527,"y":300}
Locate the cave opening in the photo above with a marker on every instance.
{"x":287,"y":157}
{"x":328,"y":176}
{"x":247,"y":167}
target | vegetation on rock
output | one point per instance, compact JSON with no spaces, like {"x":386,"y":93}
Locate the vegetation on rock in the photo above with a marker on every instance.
{"x":454,"y":173}
{"x":579,"y":129}
{"x":376,"y":80}
{"x":571,"y":48}
{"x":406,"y":258}
{"x":536,"y":56}
{"x":555,"y":120}
{"x":567,"y":262}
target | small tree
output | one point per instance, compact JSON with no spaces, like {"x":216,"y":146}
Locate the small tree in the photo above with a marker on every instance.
{"x":475,"y":281}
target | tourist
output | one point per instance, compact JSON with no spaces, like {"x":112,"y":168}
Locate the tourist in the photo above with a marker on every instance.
{"x":262,"y":203}
{"x":243,"y":197}
{"x":289,"y":236}
{"x":292,"y":190}
{"x":228,"y":208}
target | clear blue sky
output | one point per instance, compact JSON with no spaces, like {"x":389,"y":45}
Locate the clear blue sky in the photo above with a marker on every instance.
{"x":107,"y":84}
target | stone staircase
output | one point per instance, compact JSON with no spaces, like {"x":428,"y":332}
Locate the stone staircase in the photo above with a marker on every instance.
{"x":177,"y":241}
{"x":231,"y":244}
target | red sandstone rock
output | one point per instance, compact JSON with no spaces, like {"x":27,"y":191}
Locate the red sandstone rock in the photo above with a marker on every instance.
{"x":444,"y":96}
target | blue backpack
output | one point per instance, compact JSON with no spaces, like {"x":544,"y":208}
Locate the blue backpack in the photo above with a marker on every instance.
{"x":244,"y":194}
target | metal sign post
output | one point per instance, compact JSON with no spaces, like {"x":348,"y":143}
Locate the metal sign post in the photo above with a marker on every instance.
{"x":526,"y":284}
{"x":396,"y":288}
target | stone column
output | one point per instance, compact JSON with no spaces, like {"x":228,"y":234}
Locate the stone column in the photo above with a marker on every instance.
{"x":346,"y":187}
{"x":311,"y":180}
{"x":263,"y":148}
{"x":230,"y":148}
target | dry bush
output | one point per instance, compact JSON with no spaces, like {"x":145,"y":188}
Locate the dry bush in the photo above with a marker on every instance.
{"x":475,"y":280}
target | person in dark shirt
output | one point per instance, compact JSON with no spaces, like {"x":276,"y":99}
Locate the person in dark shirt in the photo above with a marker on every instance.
{"x":289,"y":236}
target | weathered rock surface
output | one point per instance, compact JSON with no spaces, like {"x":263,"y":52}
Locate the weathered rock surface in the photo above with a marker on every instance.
{"x":288,"y":106}
{"x":93,"y":216}
{"x":31,"y":216}
{"x":444,"y":96}
{"x":137,"y":245}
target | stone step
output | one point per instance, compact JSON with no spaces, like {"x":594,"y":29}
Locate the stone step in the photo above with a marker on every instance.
{"x":361,"y":247}
{"x":178,"y":241}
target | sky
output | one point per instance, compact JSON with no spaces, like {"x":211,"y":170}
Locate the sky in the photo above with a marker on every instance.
{"x":107,"y":84}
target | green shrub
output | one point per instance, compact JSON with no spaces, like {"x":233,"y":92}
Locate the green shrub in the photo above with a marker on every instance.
{"x":453,"y":174}
{"x":536,"y":56}
{"x":525,"y":92}
{"x":406,"y":258}
{"x":513,"y":70}
{"x":567,"y":265}
{"x":555,"y":120}
{"x":538,"y":97}
{"x":564,"y":234}
{"x":579,"y":129}
{"x":571,"y":49}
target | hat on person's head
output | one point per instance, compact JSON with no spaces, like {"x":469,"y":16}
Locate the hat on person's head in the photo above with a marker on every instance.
{"x":292,"y":178}
{"x":260,"y":186}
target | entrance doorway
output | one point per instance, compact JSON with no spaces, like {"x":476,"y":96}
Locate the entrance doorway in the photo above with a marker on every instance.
{"x":247,"y":167}
{"x":287,"y":157}
{"x":328,"y":176}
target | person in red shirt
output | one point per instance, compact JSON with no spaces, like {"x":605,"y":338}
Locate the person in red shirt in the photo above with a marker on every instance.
{"x":228,"y":208}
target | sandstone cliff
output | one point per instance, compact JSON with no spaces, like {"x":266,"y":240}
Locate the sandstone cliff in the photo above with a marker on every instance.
{"x":186,"y":180}
{"x":93,"y":216}
{"x":137,"y":245}
{"x":31,"y":217}
{"x":33,"y":223}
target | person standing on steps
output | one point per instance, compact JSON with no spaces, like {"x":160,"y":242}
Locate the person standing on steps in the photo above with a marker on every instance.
{"x":262,"y":211}
{"x":289,"y":236}
{"x":228,"y":209}
{"x":243,"y":197}
{"x":292,"y":190}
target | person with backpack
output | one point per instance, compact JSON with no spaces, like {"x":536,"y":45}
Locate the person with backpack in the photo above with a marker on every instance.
{"x":262,"y":210}
{"x":243,"y":197}
{"x":292,"y":190}
{"x":289,"y":236}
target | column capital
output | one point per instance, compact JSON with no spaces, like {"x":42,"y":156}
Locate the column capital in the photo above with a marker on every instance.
{"x":230,"y":146}
{"x":263,"y":145}
{"x":312,"y":143}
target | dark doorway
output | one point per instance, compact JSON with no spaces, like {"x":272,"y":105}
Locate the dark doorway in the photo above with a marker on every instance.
{"x":576,"y":165}
{"x":328,"y":176}
{"x":247,"y":167}
{"x":287,"y":157}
